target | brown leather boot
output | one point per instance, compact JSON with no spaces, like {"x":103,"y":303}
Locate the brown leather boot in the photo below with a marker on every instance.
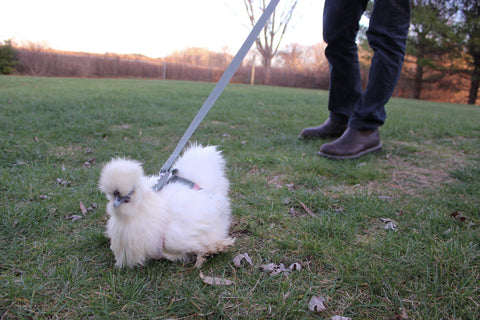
{"x":329,"y":129}
{"x":352,"y":144}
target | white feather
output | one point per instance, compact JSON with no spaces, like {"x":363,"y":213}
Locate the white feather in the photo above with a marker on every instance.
{"x":176,"y":221}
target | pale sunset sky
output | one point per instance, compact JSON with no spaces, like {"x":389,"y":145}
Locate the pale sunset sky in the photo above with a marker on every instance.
{"x":148,"y":27}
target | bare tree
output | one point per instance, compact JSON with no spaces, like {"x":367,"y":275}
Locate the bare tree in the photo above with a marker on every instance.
{"x":298,"y":57}
{"x":34,"y":58}
{"x":269,"y":41}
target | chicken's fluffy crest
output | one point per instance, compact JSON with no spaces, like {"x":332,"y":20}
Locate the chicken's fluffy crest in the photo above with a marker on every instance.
{"x":120,"y":173}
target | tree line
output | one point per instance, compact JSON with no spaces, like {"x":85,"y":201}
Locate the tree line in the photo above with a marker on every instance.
{"x":442,"y":61}
{"x":444,"y":41}
{"x":192,"y":64}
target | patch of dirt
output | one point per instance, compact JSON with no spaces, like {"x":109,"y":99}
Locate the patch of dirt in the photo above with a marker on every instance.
{"x":427,"y":169}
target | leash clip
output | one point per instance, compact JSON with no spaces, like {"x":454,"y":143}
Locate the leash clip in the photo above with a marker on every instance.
{"x":162,"y":179}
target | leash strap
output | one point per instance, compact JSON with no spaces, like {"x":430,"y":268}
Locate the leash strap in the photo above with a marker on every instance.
{"x":216,"y":92}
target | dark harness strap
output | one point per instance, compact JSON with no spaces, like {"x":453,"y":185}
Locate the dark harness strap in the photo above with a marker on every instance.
{"x":176,"y":178}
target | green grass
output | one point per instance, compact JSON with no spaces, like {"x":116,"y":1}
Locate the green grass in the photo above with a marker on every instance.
{"x":53,"y":267}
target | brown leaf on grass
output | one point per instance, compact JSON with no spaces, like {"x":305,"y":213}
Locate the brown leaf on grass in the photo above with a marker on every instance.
{"x":214,"y":281}
{"x":386,"y":198}
{"x":389,"y":224}
{"x":237,"y":261}
{"x":401,"y":315}
{"x":337,"y":208}
{"x":275,"y":269}
{"x":457,"y":215}
{"x":317,"y":304}
{"x":295,"y":267}
{"x":92,"y":207}
{"x":89,"y":162}
{"x":275,"y":181}
{"x":83,"y":209}
{"x":293,"y":212}
{"x":63,"y":182}
{"x":73,"y":217}
{"x":307,"y":209}
{"x":254,"y":170}
{"x":290,"y":186}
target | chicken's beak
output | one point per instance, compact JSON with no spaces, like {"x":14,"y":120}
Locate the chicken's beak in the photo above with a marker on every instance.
{"x":118,"y":201}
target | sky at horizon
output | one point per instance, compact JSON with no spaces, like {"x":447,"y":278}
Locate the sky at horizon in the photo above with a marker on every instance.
{"x":147,"y":27}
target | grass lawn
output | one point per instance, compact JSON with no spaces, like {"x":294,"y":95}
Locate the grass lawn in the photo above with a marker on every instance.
{"x":57,"y":133}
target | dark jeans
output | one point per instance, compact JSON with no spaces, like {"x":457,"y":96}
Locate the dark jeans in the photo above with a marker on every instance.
{"x":387,"y":35}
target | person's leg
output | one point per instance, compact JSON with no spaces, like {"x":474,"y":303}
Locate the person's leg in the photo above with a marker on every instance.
{"x":340,"y":27}
{"x":387,"y":36}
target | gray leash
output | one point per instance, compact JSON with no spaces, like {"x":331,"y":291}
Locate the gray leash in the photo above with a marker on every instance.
{"x":216,"y":92}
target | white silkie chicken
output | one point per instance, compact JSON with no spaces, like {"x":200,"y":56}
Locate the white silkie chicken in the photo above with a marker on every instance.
{"x":189,"y":216}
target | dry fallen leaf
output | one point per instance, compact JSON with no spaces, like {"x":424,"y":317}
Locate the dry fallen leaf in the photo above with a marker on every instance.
{"x":92,"y":207}
{"x":73,"y":217}
{"x":63,"y":182}
{"x":89,"y":162}
{"x":295,"y":267}
{"x":307,"y":209}
{"x":401,"y":315}
{"x":457,"y":215}
{"x":389,"y":224}
{"x":337,"y":208}
{"x":275,"y":269}
{"x":237,"y":261}
{"x":317,"y":304}
{"x":386,"y":198}
{"x":82,"y":208}
{"x":214,"y":281}
{"x":292,"y":212}
{"x":275,"y":181}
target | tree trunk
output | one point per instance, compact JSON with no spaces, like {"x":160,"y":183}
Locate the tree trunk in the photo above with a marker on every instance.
{"x":418,"y":81}
{"x":472,"y":97}
{"x":267,"y":66}
{"x":268,"y":78}
{"x":475,"y":81}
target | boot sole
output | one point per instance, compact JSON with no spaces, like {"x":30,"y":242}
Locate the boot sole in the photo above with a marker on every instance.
{"x":323,"y":137}
{"x":351,"y":156}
